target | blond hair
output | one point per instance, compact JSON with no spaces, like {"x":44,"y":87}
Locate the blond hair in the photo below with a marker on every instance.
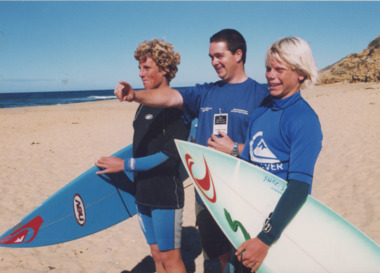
{"x":297,"y":54}
{"x":162,"y":54}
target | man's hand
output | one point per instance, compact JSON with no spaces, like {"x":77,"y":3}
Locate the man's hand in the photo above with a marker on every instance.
{"x":124,"y":92}
{"x":110,"y":165}
{"x":252,"y":253}
{"x":223,"y":143}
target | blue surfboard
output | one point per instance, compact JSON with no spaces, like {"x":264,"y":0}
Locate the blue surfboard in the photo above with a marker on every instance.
{"x":86,"y":205}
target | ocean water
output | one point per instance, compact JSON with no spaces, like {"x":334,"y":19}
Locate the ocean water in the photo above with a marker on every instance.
{"x":9,"y":100}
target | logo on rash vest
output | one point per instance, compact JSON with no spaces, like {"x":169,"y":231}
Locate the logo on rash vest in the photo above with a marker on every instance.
{"x":149,"y":117}
{"x":21,"y":234}
{"x":261,"y":155}
{"x":79,"y":211}
{"x":204,"y":184}
{"x":259,"y":150}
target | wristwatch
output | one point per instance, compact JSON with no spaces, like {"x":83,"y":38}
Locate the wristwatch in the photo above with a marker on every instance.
{"x":235,"y":149}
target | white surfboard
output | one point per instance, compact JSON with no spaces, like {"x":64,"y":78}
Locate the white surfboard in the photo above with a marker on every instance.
{"x":240,"y":196}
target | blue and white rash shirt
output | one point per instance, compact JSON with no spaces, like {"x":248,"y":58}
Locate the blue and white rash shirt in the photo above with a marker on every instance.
{"x":284,"y":137}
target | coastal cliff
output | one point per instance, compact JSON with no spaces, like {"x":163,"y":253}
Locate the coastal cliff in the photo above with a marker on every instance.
{"x":357,"y":67}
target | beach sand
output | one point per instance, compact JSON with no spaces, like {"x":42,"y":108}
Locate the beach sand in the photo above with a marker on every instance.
{"x":45,"y":147}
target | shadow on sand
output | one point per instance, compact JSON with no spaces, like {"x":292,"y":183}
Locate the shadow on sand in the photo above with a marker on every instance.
{"x":190,"y":250}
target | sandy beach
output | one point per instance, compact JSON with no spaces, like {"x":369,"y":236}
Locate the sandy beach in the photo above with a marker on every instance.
{"x":45,"y":147}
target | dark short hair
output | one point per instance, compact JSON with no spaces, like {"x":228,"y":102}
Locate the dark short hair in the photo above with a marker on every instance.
{"x":233,"y":39}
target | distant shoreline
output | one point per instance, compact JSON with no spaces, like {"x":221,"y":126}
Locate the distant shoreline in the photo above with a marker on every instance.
{"x":40,"y":98}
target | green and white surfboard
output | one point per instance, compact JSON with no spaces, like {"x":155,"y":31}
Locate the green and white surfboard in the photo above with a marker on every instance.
{"x":240,"y":196}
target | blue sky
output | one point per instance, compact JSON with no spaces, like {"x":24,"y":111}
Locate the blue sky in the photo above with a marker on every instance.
{"x":49,"y":46}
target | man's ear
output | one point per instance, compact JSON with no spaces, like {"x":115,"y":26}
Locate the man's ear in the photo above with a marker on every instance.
{"x":239,"y":55}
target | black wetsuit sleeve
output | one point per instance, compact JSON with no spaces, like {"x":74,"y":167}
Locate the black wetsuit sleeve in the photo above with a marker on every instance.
{"x":287,"y":207}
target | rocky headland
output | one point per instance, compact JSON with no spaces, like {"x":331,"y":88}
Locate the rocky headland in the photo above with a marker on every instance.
{"x":357,"y":67}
